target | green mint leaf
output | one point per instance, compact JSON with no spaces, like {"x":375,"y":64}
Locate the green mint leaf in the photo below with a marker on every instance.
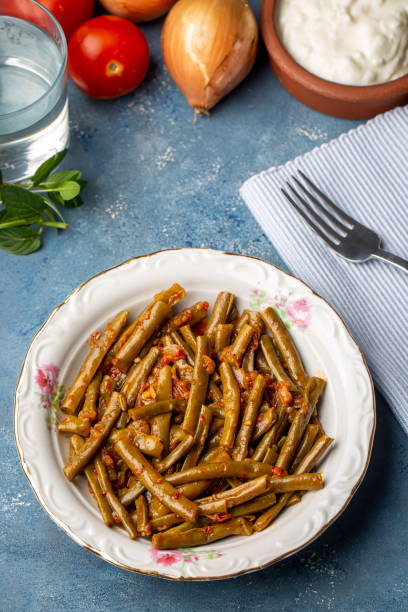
{"x":50,"y":204}
{"x":55,"y":197}
{"x":82,"y":183}
{"x":49,"y":215}
{"x":19,"y":240}
{"x":20,"y":202}
{"x":69,"y":190}
{"x":74,"y":203}
{"x":47,"y":167}
{"x":59,"y":178}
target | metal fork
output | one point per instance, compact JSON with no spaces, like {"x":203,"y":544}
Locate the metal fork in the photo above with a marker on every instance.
{"x":343,"y":234}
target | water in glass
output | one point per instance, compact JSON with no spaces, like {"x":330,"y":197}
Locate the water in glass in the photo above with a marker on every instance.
{"x":33,"y":99}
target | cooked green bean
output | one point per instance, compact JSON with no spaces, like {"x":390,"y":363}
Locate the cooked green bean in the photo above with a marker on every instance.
{"x":89,"y":410}
{"x":153,"y":481}
{"x":243,"y":438}
{"x":142,"y":517}
{"x":211,"y":506}
{"x":106,"y":389}
{"x":271,"y":513}
{"x":189,"y":337}
{"x":271,"y":455}
{"x":264,"y":423}
{"x":313,"y":390}
{"x":139,"y":375}
{"x":235,"y":469}
{"x":148,"y":444}
{"x":200,"y":438}
{"x":74,"y":425}
{"x":113,"y":501}
{"x":161,"y":423}
{"x":319,"y":447}
{"x":222,"y":336}
{"x":130,"y":494}
{"x":294,"y":499}
{"x":234,"y":353}
{"x":307,"y":463}
{"x":155,"y":408}
{"x":232,"y":405}
{"x":198,"y":389}
{"x":92,"y":362}
{"x":244,"y":492}
{"x":285,"y":346}
{"x":214,"y":440}
{"x":162,"y":523}
{"x":255,"y":505}
{"x":156,"y":508}
{"x":216,"y":424}
{"x":271,"y":436}
{"x":177,"y":435}
{"x":171,"y":296}
{"x":238,"y":323}
{"x":305,"y":445}
{"x":261,"y":364}
{"x":183,"y":527}
{"x":205,"y":508}
{"x":272,"y":360}
{"x":220,"y":312}
{"x":218,"y":409}
{"x":141,"y":334}
{"x":122,"y":420}
{"x":295,"y":482}
{"x":194,"y":489}
{"x":77,"y":443}
{"x":202,"y":535}
{"x":99,"y":432}
{"x":191,"y":316}
{"x":176,"y":454}
{"x":189,"y":353}
{"x":233,"y":314}
{"x":248,"y":360}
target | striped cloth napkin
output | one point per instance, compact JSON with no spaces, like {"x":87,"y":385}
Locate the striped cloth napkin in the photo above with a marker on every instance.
{"x":364,"y":171}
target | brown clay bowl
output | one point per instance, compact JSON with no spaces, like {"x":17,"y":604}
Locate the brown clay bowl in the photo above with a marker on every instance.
{"x":346,"y":101}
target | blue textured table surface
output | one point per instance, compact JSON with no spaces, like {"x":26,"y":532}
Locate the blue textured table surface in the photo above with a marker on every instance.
{"x":156,"y":181}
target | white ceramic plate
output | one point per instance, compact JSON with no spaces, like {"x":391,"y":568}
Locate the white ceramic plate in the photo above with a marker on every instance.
{"x":327,"y":348}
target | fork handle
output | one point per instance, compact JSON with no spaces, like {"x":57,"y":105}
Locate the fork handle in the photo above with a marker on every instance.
{"x":400,"y":263}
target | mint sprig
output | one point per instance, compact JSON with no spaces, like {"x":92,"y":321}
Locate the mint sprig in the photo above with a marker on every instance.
{"x":27,"y":207}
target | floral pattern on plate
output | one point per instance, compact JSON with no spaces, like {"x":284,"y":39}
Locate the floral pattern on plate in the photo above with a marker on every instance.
{"x":294,"y":313}
{"x":51,"y":392}
{"x":182,"y":555}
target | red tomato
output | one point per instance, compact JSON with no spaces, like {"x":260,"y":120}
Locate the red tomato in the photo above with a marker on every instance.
{"x":69,"y":13}
{"x":107,"y":57}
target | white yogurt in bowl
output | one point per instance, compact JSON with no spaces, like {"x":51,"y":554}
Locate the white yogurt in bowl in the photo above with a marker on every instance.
{"x":352,"y":42}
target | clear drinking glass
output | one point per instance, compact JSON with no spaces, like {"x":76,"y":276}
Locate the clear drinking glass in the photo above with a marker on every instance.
{"x":33,"y":87}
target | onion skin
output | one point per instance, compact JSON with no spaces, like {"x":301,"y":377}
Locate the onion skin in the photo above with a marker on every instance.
{"x":138,"y":10}
{"x":209,"y":47}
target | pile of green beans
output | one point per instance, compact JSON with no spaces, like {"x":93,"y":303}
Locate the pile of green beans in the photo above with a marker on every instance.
{"x":192,"y":426}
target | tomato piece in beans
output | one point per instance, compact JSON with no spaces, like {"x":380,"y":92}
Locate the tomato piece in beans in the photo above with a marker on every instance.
{"x":107,"y":57}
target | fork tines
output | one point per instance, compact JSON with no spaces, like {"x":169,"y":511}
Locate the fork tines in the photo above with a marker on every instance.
{"x":328,"y":221}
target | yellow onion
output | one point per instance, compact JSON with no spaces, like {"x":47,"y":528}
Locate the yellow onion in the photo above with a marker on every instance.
{"x":209,"y":47}
{"x":138,"y":10}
